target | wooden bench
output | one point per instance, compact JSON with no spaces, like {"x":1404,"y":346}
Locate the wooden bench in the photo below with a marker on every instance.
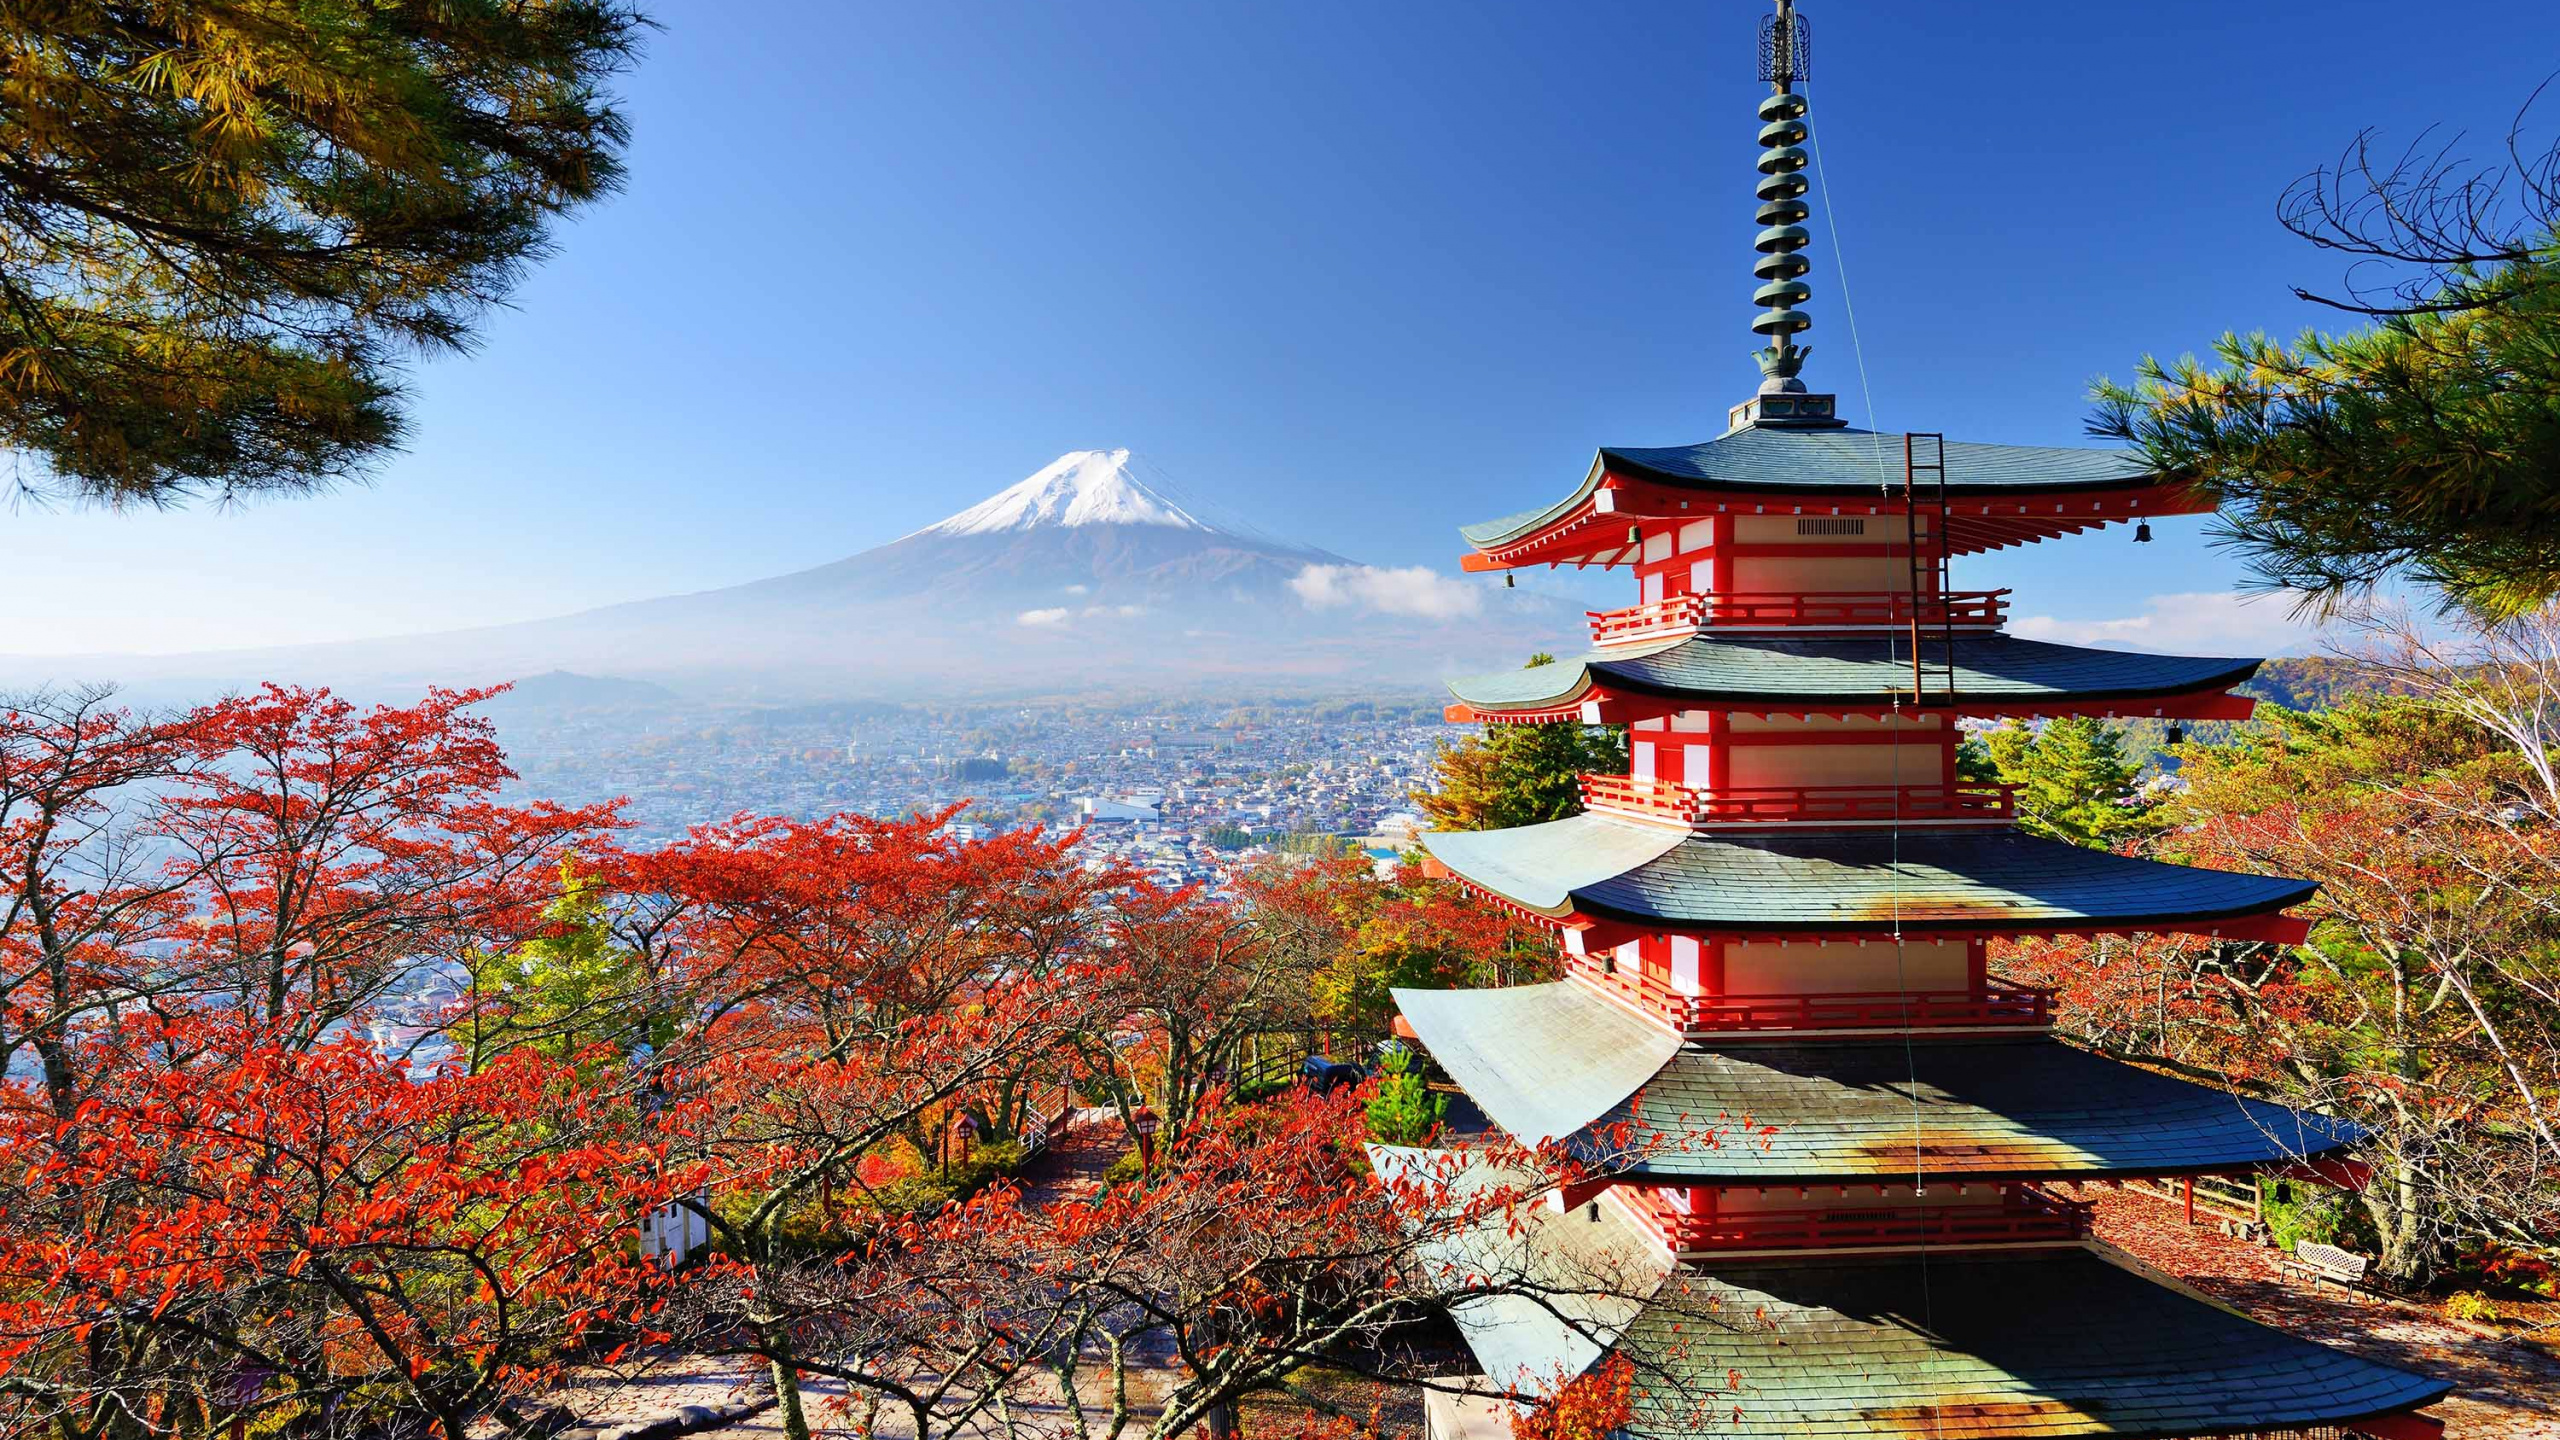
{"x":2328,"y":1263}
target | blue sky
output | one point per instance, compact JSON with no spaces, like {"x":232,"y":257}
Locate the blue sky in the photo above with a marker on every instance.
{"x":1356,"y":272}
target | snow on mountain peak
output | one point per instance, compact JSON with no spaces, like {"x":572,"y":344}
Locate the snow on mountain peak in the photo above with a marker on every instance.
{"x":1081,"y":487}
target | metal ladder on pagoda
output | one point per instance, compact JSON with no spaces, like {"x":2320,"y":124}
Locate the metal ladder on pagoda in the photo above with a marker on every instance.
{"x":1924,"y":491}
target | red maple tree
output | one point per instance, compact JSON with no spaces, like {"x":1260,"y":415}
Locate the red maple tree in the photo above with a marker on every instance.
{"x":217,"y":1195}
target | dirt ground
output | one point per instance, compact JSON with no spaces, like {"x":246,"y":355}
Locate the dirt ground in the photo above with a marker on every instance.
{"x":2503,"y":1390}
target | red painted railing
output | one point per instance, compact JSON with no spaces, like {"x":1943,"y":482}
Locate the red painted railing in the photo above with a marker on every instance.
{"x":1696,"y":805}
{"x":1647,"y":992}
{"x":2023,"y":1215}
{"x":1868,"y":1010}
{"x":1659,"y":619}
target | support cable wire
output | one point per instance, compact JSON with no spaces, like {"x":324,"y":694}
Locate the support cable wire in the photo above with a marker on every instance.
{"x":1893,"y":726}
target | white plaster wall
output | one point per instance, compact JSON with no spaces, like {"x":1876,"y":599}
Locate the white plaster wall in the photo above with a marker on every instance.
{"x":1914,"y":763}
{"x":1765,"y":967}
{"x":1809,"y":574}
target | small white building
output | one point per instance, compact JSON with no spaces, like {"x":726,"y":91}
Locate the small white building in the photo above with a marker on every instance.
{"x":1098,"y":810}
{"x":674,"y":1231}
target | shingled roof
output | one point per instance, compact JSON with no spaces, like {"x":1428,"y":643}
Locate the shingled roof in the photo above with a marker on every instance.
{"x":1855,"y":464}
{"x":2065,"y":1341}
{"x":2048,"y":1344}
{"x":1544,"y":1061}
{"x":1869,"y":669}
{"x":1998,"y":1109}
{"x":1841,"y":881}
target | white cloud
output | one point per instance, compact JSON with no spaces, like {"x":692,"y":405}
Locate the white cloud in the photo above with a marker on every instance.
{"x":1057,"y":616}
{"x":1415,"y":590}
{"x":2196,"y":623}
{"x":1123,"y":611}
{"x":1079,"y":589}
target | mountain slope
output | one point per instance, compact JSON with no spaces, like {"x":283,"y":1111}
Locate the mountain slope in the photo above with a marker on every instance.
{"x":1079,"y":577}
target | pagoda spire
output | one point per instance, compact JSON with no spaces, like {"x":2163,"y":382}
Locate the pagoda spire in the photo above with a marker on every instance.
{"x":1786,"y":58}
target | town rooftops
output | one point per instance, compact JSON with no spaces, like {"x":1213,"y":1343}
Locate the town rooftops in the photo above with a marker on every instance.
{"x":1994,"y":674}
{"x":1554,"y":1061}
{"x":1812,"y":881}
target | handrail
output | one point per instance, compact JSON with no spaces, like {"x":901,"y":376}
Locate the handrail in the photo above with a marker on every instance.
{"x":1871,"y":1009}
{"x":1698,"y":805}
{"x":2022,"y":1215}
{"x":1657,"y":618}
{"x":1695,"y":1015}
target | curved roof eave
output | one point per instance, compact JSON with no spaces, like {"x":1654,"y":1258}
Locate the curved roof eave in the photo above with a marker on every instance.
{"x":1845,"y":881}
{"x":1784,"y":672}
{"x":2077,"y":1343}
{"x":2005,"y":1109}
{"x":1552,"y":1061}
{"x":1822,"y":463}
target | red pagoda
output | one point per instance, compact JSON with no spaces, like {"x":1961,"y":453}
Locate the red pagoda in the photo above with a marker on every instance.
{"x":1781,"y":913}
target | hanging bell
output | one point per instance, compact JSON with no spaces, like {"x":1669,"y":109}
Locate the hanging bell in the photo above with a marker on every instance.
{"x":2142,"y":533}
{"x":2177,"y":733}
{"x":1635,"y":534}
{"x":1510,"y":581}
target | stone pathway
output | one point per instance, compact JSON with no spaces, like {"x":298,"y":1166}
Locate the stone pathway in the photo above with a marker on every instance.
{"x":2502,"y":1390}
{"x":1073,"y":1165}
{"x":651,"y":1398}
{"x":1070,"y":1169}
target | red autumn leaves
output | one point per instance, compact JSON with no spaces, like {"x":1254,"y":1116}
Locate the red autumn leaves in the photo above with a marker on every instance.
{"x":338,"y":1081}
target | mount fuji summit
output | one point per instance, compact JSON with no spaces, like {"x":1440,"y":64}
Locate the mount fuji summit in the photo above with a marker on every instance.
{"x":1081,"y":577}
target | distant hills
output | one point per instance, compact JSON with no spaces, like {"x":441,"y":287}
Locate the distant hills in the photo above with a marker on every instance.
{"x":564,"y":690}
{"x":2316,"y":682}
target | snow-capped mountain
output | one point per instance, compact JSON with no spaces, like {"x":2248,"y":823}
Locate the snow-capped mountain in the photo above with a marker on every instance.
{"x":1080,"y":576}
{"x":1081,"y":487}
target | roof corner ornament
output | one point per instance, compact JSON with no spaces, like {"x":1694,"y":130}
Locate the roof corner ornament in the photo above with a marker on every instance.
{"x":1786,"y":57}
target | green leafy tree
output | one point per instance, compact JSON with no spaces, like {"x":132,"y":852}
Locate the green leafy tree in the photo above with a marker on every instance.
{"x":2074,"y":779}
{"x":2427,"y":446}
{"x":1520,"y":774}
{"x":2424,"y":447}
{"x":572,"y":987}
{"x":226,"y":222}
{"x":1406,"y":1110}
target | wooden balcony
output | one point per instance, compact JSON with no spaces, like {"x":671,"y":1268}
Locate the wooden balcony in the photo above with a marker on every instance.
{"x":2024,"y":1216}
{"x":1687,"y":614}
{"x":1868,"y":1010}
{"x":1700,"y":1016}
{"x":1672,"y":803}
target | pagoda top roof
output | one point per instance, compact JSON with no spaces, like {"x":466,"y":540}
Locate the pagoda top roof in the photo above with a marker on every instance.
{"x":1807,"y":880}
{"x":1560,"y":1062}
{"x":1862,"y":468}
{"x":1865,"y":671}
{"x":1786,"y":461}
